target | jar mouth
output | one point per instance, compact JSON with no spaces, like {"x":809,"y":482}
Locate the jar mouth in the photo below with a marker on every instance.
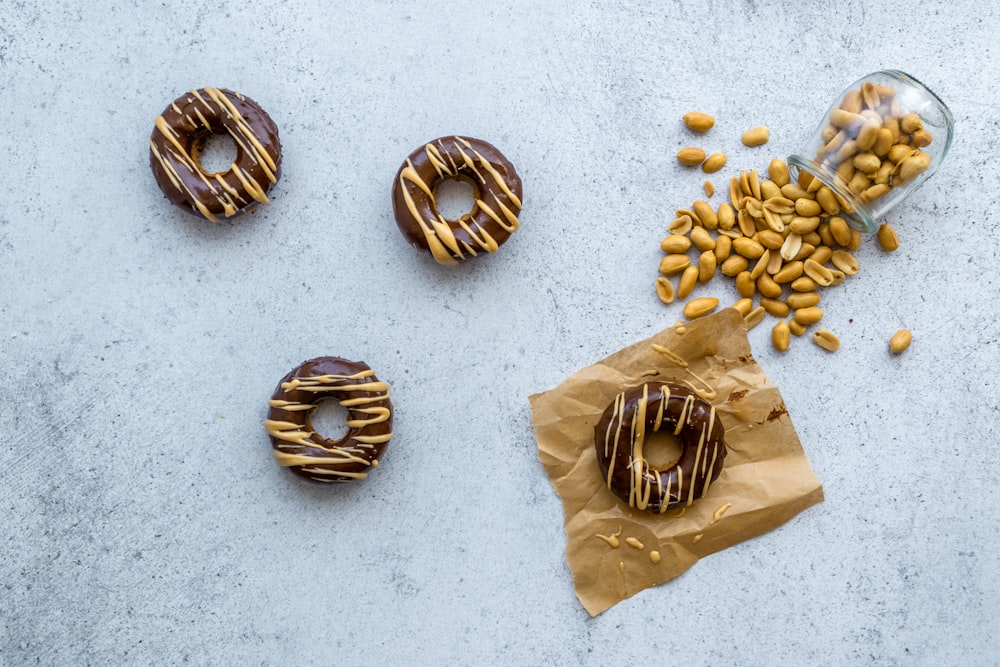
{"x":854,"y":213}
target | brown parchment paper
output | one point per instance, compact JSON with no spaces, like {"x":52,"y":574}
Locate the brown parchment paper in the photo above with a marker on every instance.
{"x":766,"y":479}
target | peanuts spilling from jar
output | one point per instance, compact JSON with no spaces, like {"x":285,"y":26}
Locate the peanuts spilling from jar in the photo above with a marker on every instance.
{"x":873,"y":144}
{"x":785,"y":242}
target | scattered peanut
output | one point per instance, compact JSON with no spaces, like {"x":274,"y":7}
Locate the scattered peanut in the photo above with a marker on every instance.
{"x":698,"y":122}
{"x":783,"y":239}
{"x":689,"y":278}
{"x":808,"y":315}
{"x":758,"y":136}
{"x":887,"y":238}
{"x":900,"y":341}
{"x":827,"y":340}
{"x":700,"y":307}
{"x":691,"y":157}
{"x":714,"y":163}
{"x":781,"y":336}
{"x":675,"y":243}
{"x":754,"y":317}
{"x":665,"y":290}
{"x":673,"y":264}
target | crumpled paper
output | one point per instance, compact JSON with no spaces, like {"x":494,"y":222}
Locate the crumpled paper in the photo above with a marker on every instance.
{"x":765,"y":482}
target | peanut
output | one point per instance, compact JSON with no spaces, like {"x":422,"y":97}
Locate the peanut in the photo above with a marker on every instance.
{"x":840,"y":230}
{"x":789,"y":273}
{"x":816,"y":271}
{"x":778,"y":171}
{"x":697,"y":121}
{"x":674,"y":263}
{"x":706,"y":266}
{"x":714,"y":163}
{"x":781,"y":336}
{"x":827,"y":340}
{"x":723,"y":247}
{"x":900,"y":341}
{"x":743,"y":306}
{"x":754,"y":317}
{"x":804,"y":284}
{"x":688,"y":279}
{"x":799,"y":300}
{"x":887,"y":237}
{"x":746,"y":286}
{"x":775,"y":307}
{"x":700,"y":307}
{"x":691,"y":156}
{"x":675,"y":244}
{"x":734,"y":264}
{"x":706,"y":214}
{"x":681,"y":224}
{"x":845,"y":261}
{"x":727,"y":218}
{"x":808,"y":315}
{"x":748,"y":247}
{"x":665,"y":290}
{"x":758,"y":136}
{"x":709,"y":189}
{"x":701,"y":239}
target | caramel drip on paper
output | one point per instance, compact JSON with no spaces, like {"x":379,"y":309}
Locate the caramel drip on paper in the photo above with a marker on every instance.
{"x":654,"y":557}
{"x":634,"y":543}
{"x":705,"y":390}
{"x":294,"y":437}
{"x":440,"y":231}
{"x":719,"y":512}
{"x":217,"y":103}
{"x":612,"y":540}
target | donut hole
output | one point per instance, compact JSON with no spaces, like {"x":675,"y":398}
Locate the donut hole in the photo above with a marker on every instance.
{"x":215,"y":152}
{"x":455,"y":197}
{"x":661,"y":450}
{"x":329,"y":420}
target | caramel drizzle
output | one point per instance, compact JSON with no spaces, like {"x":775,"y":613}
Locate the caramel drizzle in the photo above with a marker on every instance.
{"x":705,"y":391}
{"x":720,"y":511}
{"x":611,"y":540}
{"x":291,"y":435}
{"x":244,"y":137}
{"x":640,"y":486}
{"x":439,"y":233}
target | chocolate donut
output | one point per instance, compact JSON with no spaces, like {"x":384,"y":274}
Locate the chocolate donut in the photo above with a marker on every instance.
{"x":622,"y":429}
{"x":180,"y":134}
{"x":496,"y":192}
{"x":369,"y":420}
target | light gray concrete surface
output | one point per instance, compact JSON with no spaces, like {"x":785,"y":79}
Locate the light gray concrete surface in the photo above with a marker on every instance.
{"x":142,"y":519}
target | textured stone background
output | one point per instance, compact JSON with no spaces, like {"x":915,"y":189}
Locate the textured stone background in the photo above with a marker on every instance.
{"x":142,"y":520}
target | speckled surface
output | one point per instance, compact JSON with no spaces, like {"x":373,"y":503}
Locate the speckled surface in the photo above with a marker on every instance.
{"x":142,"y":520}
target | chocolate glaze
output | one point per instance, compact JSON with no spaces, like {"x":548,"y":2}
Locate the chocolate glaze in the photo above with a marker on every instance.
{"x":621,"y":430}
{"x":496,"y":192}
{"x":180,"y":134}
{"x":369,"y":420}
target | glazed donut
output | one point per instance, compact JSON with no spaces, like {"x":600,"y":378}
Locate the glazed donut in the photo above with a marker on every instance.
{"x":369,"y":420}
{"x":179,"y":136}
{"x":622,"y":429}
{"x":496,"y":193}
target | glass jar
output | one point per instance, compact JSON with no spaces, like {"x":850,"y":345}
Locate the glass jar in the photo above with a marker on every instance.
{"x":881,"y":139}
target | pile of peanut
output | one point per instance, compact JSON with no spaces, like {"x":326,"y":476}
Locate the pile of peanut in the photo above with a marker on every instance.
{"x":872,"y":144}
{"x":783,"y":242}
